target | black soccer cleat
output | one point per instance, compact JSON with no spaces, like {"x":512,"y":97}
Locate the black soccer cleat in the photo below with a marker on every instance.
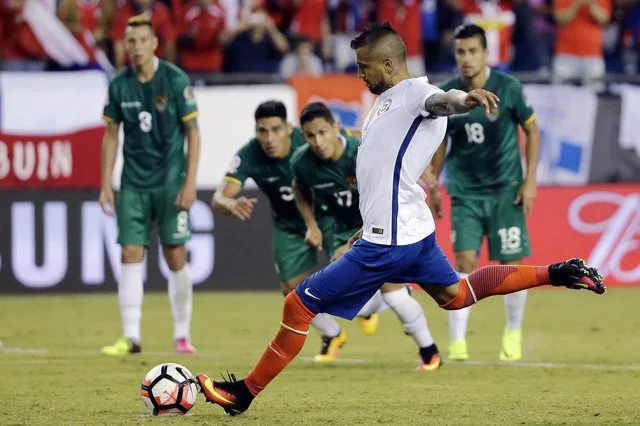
{"x":231,"y":394}
{"x":576,"y":275}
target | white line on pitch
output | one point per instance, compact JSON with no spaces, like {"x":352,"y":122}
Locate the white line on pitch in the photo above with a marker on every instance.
{"x":562,"y":365}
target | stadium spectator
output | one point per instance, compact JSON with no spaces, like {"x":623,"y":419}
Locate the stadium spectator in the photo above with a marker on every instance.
{"x":405,"y":17}
{"x":450,"y":16}
{"x":200,"y":42}
{"x":21,"y":50}
{"x":312,"y":19}
{"x":302,"y":61}
{"x":162,"y":22}
{"x":256,"y":46}
{"x":579,"y":39}
{"x":544,"y":31}
{"x":496,"y":17}
{"x":96,"y":16}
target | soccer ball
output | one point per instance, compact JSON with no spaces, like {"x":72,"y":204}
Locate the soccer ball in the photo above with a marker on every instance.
{"x":169,"y":389}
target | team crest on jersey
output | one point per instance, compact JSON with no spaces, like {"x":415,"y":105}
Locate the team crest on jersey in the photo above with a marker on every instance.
{"x":352,"y":182}
{"x":235,"y":163}
{"x":189,"y":98}
{"x":161,"y":102}
{"x":384,"y":107}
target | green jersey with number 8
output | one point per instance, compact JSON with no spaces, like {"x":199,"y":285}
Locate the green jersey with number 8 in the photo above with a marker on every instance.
{"x":484,"y":157}
{"x":152,"y":115}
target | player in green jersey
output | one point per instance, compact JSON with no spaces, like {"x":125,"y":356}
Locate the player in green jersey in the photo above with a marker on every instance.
{"x":489,"y":193}
{"x":154,"y":103}
{"x":325,"y":173}
{"x":266,"y":159}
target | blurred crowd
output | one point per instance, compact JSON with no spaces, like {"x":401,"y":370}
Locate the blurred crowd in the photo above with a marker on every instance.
{"x":569,"y":38}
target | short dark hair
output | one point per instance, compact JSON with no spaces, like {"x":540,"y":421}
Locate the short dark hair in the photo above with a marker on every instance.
{"x":271,"y":108}
{"x":316,"y":110}
{"x":372,"y":34}
{"x":470,"y":30}
{"x":140,"y":21}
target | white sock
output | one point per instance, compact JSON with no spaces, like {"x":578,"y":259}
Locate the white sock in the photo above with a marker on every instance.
{"x":458,"y":320}
{"x":326,"y":324}
{"x":514,"y":306}
{"x":130,"y":291}
{"x":180,"y":298}
{"x":411,"y":315}
{"x":375,"y":305}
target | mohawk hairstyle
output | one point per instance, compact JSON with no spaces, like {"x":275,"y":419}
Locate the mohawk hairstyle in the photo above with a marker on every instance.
{"x":140,"y":21}
{"x":372,"y":34}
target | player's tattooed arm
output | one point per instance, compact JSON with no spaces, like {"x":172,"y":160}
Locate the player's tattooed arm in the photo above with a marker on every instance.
{"x":454,"y":101}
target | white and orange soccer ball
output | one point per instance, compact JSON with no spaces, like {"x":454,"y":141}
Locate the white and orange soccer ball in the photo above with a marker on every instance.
{"x":169,"y":389}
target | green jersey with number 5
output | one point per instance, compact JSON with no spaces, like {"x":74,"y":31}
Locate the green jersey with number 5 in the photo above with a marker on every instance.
{"x":273,"y":176}
{"x":152,"y":116}
{"x":484,"y":156}
{"x":333,"y":183}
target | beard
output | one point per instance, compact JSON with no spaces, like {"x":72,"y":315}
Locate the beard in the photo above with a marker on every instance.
{"x":379,"y":87}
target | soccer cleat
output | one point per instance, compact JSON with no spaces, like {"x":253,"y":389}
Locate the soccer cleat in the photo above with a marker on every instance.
{"x":330,"y":347}
{"x":122,"y":347}
{"x":458,"y":350}
{"x":231,"y":394}
{"x":576,"y":275}
{"x":430,"y":359}
{"x":183,"y":346}
{"x":369,"y":324}
{"x":511,"y":345}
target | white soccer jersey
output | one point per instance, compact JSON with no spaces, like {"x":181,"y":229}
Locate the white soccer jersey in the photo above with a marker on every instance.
{"x":399,"y":139}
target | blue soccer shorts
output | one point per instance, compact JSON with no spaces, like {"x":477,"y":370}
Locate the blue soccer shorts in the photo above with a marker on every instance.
{"x":343,"y":287}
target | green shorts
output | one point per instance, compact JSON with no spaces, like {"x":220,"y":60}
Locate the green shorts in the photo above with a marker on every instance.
{"x":340,"y":238}
{"x":137,"y":211}
{"x":498,"y":218}
{"x":292,"y":255}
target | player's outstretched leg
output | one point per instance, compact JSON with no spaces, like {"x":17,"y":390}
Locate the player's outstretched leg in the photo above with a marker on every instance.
{"x":411,"y":315}
{"x":368,"y":317}
{"x":235,"y":396}
{"x":506,"y":279}
{"x":333,"y":337}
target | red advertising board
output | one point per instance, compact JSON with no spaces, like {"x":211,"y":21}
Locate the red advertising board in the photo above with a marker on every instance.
{"x":599,"y":223}
{"x":70,"y":160}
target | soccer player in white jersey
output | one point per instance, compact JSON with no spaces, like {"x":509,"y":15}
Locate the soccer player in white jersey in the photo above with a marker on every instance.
{"x":397,"y":243}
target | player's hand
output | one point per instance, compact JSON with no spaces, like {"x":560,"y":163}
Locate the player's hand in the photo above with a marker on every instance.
{"x":107,"y":201}
{"x":355,"y":237}
{"x":482,"y":98}
{"x":313,"y":237}
{"x":243,"y":207}
{"x":435,"y":203}
{"x":186,"y":197}
{"x":341,"y":251}
{"x":526,"y":196}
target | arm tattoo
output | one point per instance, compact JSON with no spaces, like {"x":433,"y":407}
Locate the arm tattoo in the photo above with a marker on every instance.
{"x":444,"y":104}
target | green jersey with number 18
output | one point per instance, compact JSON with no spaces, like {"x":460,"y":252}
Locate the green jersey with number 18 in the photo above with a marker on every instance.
{"x":152,"y":115}
{"x":484,"y":157}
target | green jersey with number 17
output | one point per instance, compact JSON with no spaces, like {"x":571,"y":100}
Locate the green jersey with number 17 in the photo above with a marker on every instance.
{"x":484,"y":157}
{"x":333,"y":182}
{"x":152,"y":115}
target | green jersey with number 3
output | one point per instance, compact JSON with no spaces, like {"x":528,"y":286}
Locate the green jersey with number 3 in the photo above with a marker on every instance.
{"x":152,"y":115}
{"x":273,"y":176}
{"x":333,"y":183}
{"x":484,"y":156}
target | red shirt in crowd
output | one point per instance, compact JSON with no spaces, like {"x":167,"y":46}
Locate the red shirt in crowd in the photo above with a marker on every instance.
{"x":405,"y":17}
{"x":497,"y":19}
{"x":90,"y":13}
{"x":309,"y":19}
{"x":160,"y":19}
{"x":18,"y":41}
{"x":206,"y":26}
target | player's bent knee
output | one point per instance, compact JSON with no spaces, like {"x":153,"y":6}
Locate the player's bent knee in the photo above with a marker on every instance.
{"x":132,"y":254}
{"x":466,"y":261}
{"x":389,"y":287}
{"x":296,"y":317}
{"x":175,"y":256}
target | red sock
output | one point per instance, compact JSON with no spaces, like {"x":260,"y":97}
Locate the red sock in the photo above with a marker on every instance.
{"x":296,"y":321}
{"x":497,"y":279}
